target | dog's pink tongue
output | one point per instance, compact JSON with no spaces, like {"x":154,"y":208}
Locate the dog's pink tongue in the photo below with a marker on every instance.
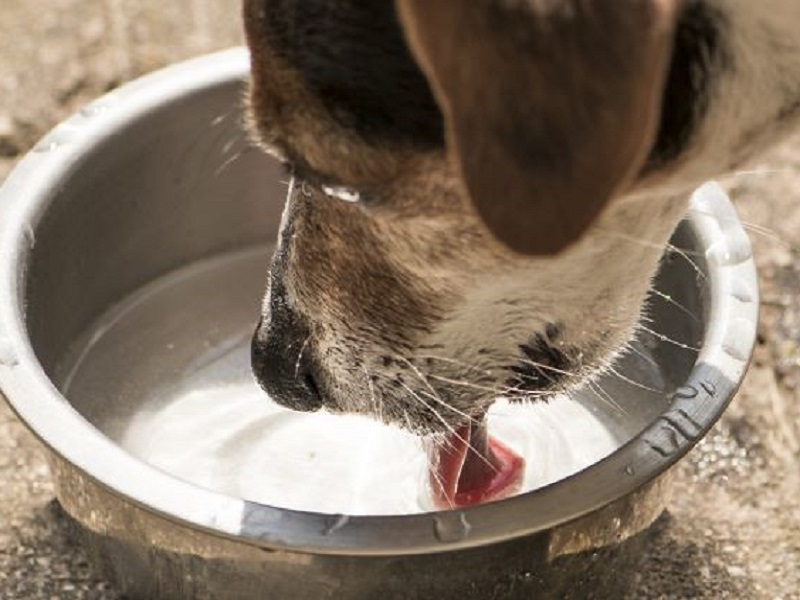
{"x":470,"y":468}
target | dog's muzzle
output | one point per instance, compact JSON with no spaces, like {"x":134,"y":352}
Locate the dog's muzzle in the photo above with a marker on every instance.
{"x":282,"y":361}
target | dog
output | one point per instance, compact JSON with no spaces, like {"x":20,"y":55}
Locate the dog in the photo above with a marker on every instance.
{"x":482,"y":189}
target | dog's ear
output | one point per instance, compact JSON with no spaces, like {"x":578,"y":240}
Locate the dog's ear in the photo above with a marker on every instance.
{"x":551,"y":106}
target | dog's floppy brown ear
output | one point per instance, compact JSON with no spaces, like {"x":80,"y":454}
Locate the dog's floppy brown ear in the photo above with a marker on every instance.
{"x":551,"y":106}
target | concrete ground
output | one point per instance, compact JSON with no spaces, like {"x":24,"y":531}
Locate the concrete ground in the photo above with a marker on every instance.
{"x":733,"y":528}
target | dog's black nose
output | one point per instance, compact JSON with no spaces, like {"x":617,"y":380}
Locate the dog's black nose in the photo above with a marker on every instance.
{"x":282,"y":361}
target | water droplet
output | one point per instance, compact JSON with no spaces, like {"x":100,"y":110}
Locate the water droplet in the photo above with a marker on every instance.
{"x":736,"y":352}
{"x":740,"y":331}
{"x":58,"y":138}
{"x":743,"y":291}
{"x":629,"y":470}
{"x":46,"y":145}
{"x":30,"y":236}
{"x":93,"y":110}
{"x":342,"y":193}
{"x":99,"y":107}
{"x":686,"y":393}
{"x":335,"y":523}
{"x":451,"y":527}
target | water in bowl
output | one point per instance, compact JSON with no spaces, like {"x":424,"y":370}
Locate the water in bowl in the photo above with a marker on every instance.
{"x":165,"y":373}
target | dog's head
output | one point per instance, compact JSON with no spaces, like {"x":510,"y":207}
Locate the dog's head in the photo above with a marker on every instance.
{"x":471,"y":210}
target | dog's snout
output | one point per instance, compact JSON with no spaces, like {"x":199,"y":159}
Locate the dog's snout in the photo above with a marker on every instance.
{"x":282,"y":361}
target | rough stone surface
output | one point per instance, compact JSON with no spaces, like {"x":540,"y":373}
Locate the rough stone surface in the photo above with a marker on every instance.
{"x":733,"y":528}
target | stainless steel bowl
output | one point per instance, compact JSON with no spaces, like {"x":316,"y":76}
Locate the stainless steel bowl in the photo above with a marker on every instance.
{"x":157,"y":176}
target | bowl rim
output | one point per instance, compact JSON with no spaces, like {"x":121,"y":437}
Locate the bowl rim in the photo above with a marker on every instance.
{"x":724,"y":356}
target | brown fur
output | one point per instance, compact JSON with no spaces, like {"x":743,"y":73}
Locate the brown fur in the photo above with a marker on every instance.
{"x":292,"y":123}
{"x":561,"y":89}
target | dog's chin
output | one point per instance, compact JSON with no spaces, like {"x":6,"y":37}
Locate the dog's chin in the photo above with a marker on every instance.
{"x":433,"y":393}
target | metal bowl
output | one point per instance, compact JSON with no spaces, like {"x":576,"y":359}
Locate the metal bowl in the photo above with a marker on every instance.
{"x":157,"y":176}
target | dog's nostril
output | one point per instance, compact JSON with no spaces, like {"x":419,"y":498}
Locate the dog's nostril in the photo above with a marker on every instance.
{"x":287,"y":378}
{"x":311,"y":384}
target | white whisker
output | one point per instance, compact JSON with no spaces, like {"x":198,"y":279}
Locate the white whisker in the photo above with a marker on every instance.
{"x":228,"y":163}
{"x":685,"y":255}
{"x":665,"y":338}
{"x":753,"y":172}
{"x":632,"y":348}
{"x":492,"y":390}
{"x":300,"y":356}
{"x":433,"y":394}
{"x":750,"y":227}
{"x":604,"y":396}
{"x":453,"y":361}
{"x":633,"y":382}
{"x":675,"y":303}
{"x":377,"y":407}
{"x":545,"y":367}
{"x":448,"y":426}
